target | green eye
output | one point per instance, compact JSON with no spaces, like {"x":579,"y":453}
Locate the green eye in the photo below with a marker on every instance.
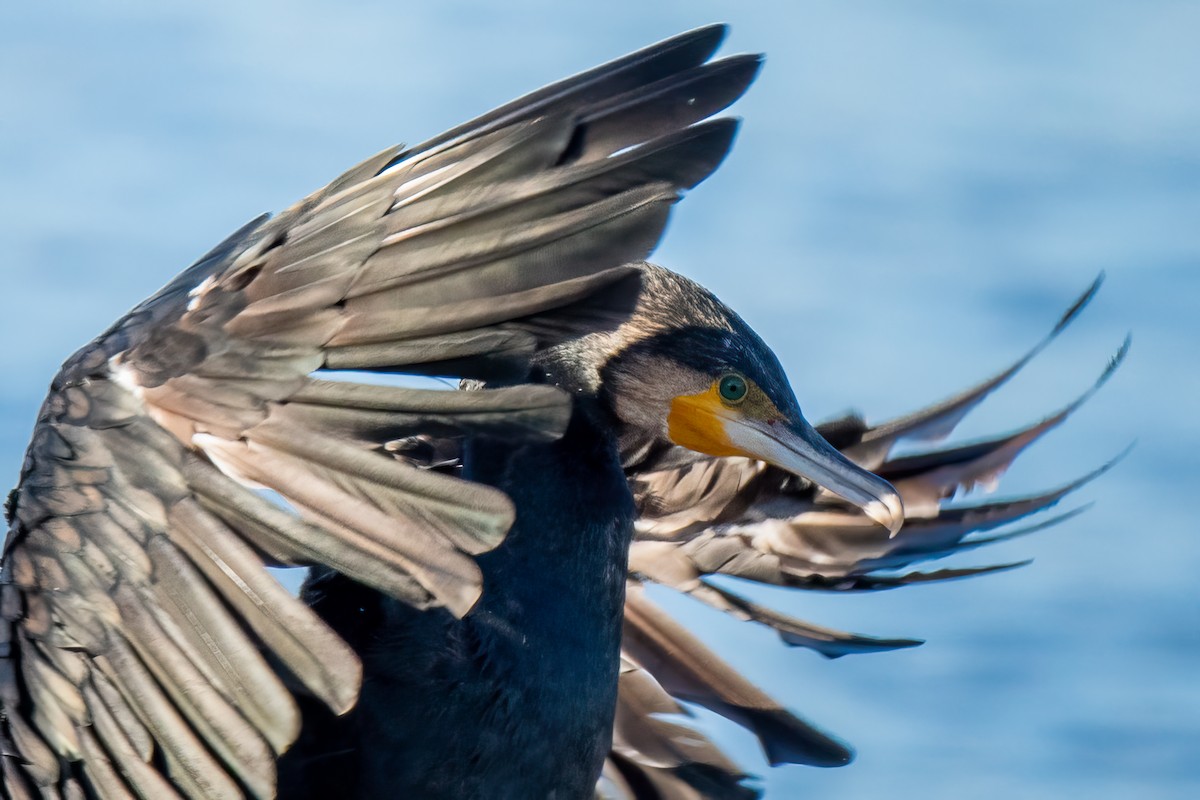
{"x":732,"y":388}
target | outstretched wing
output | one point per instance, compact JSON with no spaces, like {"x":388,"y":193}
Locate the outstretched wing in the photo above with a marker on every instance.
{"x":733,"y":516}
{"x":144,"y":649}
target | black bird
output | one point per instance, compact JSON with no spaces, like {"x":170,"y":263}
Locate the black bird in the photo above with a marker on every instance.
{"x":471,"y":548}
{"x":534,"y":665}
{"x":144,"y":643}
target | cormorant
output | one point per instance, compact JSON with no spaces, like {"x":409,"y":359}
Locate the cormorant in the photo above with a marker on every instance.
{"x":470,"y":549}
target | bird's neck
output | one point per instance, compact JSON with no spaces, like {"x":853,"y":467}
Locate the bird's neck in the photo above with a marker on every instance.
{"x":549,"y":619}
{"x":563,"y":564}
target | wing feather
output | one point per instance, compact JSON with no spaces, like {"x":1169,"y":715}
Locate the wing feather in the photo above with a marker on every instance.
{"x":145,"y":651}
{"x":742,"y":518}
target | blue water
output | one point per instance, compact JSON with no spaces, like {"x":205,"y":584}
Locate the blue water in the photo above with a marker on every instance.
{"x":919,"y":189}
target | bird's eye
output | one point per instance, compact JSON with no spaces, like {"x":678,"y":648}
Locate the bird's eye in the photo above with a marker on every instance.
{"x":732,"y":388}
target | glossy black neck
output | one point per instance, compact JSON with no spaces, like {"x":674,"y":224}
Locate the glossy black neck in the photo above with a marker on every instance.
{"x":574,"y":516}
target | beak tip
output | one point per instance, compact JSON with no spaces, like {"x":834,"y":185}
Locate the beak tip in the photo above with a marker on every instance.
{"x":888,"y":511}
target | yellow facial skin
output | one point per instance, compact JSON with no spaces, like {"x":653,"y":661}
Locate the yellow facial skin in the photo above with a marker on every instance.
{"x":697,"y":421}
{"x":752,"y":426}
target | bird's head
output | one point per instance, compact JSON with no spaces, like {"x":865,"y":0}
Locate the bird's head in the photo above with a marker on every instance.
{"x":684,"y":371}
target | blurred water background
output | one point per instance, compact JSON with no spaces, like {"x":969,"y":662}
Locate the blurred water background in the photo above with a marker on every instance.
{"x":919,"y":189}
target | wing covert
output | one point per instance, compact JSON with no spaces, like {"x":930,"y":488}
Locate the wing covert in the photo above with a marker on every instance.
{"x":144,"y":649}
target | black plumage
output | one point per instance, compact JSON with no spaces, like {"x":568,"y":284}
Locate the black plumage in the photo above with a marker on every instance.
{"x":516,"y":699}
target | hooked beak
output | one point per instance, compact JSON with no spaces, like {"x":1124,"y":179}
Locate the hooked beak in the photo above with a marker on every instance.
{"x":799,"y":449}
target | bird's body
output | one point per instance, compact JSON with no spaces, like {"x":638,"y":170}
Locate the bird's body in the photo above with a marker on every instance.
{"x":516,"y":699}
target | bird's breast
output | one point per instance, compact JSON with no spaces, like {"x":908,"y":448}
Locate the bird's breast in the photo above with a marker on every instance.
{"x":550,"y":615}
{"x":515,"y":700}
